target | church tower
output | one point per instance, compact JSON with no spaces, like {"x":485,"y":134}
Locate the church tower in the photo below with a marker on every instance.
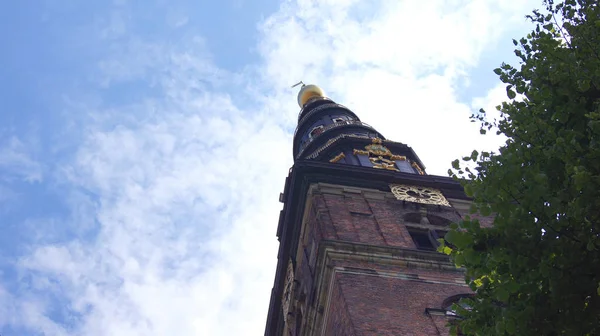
{"x":358,"y":233}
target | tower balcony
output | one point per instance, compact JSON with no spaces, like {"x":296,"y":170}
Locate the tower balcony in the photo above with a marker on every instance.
{"x":320,"y":108}
{"x":319,"y":138}
{"x":312,"y":103}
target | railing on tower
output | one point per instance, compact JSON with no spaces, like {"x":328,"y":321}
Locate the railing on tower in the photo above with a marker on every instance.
{"x":330,"y":126}
{"x":321,"y":108}
{"x":309,"y":102}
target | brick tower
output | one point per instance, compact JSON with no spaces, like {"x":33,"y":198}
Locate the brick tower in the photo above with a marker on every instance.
{"x":358,"y":233}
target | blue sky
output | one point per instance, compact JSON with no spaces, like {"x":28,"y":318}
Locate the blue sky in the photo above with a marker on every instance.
{"x":143,"y":144}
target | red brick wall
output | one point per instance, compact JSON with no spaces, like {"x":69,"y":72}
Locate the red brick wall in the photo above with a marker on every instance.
{"x":387,"y":306}
{"x":339,"y":321}
{"x":370,"y":221}
{"x":367,"y":304}
{"x":441,"y":322}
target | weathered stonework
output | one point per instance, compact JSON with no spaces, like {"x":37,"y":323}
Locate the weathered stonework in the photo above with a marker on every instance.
{"x":354,"y":257}
{"x":358,"y":272}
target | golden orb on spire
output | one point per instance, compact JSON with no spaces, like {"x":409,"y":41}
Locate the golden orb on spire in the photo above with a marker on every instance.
{"x":307,"y":92}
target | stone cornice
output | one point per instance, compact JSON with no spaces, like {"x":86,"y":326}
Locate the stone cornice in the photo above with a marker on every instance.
{"x":406,"y":261}
{"x":386,"y":255}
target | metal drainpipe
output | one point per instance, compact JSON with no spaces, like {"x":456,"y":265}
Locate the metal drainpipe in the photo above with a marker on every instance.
{"x":432,"y":321}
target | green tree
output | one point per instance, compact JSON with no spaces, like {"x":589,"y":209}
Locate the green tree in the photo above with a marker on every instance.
{"x":536,"y":271}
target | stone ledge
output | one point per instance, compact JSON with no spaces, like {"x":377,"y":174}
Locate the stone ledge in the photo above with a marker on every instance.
{"x":401,"y":258}
{"x":386,"y":255}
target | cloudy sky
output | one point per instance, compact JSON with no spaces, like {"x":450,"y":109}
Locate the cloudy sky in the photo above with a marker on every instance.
{"x":143,"y":144}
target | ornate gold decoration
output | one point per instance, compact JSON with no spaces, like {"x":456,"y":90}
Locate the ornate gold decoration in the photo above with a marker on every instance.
{"x":376,"y":149}
{"x":338,"y":157}
{"x":417,"y":194}
{"x":380,"y":156}
{"x":383,"y":163}
{"x":418,"y":168}
{"x":398,"y":157}
{"x":360,"y":152}
{"x":288,"y":288}
{"x":308,"y":92}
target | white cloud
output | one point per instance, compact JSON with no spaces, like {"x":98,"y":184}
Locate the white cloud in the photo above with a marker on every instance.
{"x":176,"y":18}
{"x":16,"y":161}
{"x":186,"y":181}
{"x":398,"y":67}
{"x":187,"y":188}
{"x":495,"y":97}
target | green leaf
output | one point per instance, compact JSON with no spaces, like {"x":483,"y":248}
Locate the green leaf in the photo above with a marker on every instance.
{"x":590,"y":245}
{"x":499,"y":327}
{"x":584,"y":84}
{"x":502,"y":294}
{"x":541,"y":190}
{"x":485,"y":210}
{"x":456,"y":164}
{"x":471,"y":257}
{"x":458,"y":239}
{"x":468,"y":190}
{"x":511,"y":94}
{"x":459,"y":260}
{"x":447,"y":250}
{"x":512,"y":286}
{"x":509,"y":326}
{"x":474,"y":155}
{"x":473,"y":209}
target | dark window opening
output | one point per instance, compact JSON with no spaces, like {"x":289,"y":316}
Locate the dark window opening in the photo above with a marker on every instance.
{"x":338,"y":119}
{"x":315,"y":131}
{"x":422,"y":240}
{"x":413,"y":217}
{"x":404,"y":166}
{"x":437,"y":234}
{"x":416,"y":217}
{"x":426,"y":240}
{"x":364,"y":160}
{"x":439,"y":221}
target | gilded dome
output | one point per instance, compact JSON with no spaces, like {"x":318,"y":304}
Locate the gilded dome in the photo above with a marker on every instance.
{"x":307,"y":92}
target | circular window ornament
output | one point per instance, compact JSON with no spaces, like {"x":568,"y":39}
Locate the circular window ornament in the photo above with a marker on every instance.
{"x":417,"y":194}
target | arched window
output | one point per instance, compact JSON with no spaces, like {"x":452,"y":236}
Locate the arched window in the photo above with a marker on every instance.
{"x":315,"y":131}
{"x":412,"y":217}
{"x":426,"y":230}
{"x":449,"y":302}
{"x":338,"y":119}
{"x":425,"y":239}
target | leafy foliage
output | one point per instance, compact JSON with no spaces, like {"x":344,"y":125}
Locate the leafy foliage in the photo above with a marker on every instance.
{"x":536,"y":271}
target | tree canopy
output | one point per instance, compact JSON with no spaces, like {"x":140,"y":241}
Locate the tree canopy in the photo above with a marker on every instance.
{"x":536,"y":271}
